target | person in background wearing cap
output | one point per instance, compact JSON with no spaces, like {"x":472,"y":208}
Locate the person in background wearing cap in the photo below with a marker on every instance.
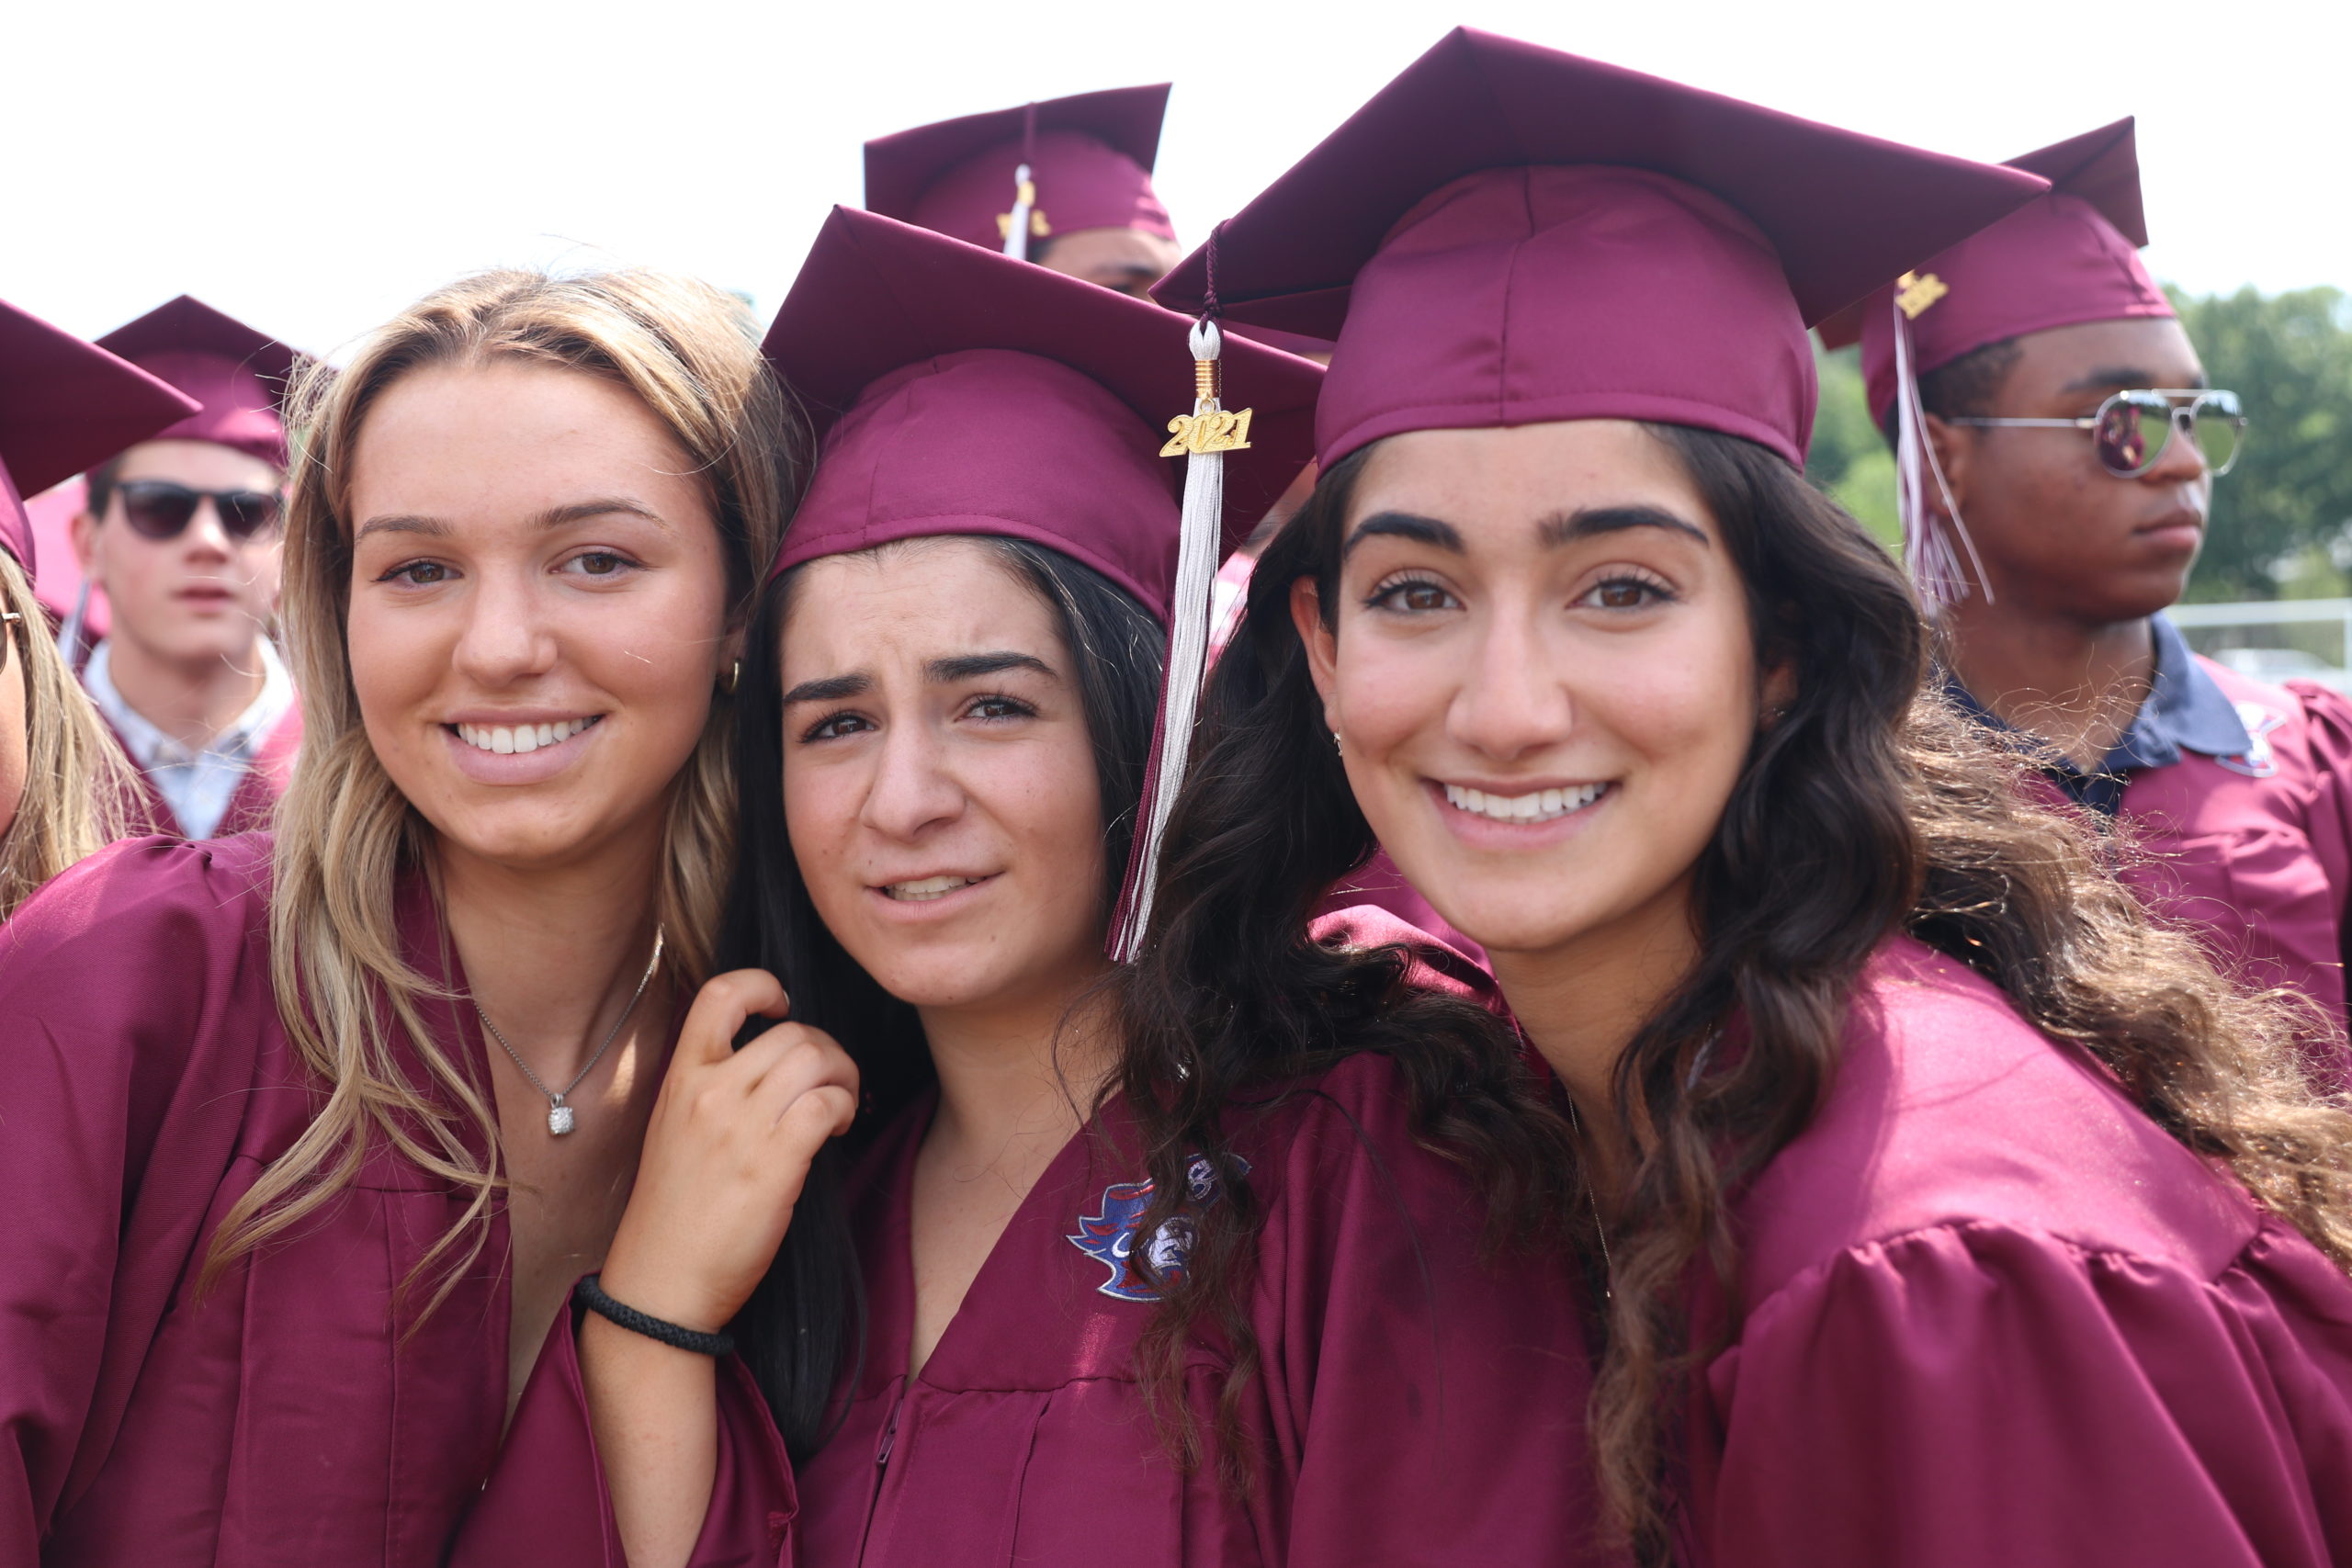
{"x":309,"y":1133}
{"x":62,"y":402}
{"x":1065,"y":183}
{"x":1953,"y":1211}
{"x":946,"y":746}
{"x":2063,"y":446}
{"x":182,"y":531}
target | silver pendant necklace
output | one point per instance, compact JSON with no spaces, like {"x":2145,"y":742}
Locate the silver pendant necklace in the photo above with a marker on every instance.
{"x":559,"y":1117}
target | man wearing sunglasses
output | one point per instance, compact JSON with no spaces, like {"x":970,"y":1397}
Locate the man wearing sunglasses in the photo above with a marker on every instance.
{"x":183,"y":533}
{"x":2063,"y":446}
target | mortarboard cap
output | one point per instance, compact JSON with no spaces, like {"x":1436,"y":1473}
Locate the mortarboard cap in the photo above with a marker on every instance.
{"x":1506,"y":235}
{"x":239,"y":377}
{"x":2069,"y":256}
{"x":1090,"y":160}
{"x":65,"y":405}
{"x":955,"y":391}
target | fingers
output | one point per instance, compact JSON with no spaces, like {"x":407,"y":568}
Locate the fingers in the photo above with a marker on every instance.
{"x":803,"y":1061}
{"x":825,"y":1111}
{"x":719,"y":1011}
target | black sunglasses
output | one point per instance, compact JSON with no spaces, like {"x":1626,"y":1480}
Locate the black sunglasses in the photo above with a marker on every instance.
{"x":161,"y":509}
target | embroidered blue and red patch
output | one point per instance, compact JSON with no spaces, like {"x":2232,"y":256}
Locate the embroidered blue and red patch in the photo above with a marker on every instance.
{"x":2257,"y":761}
{"x":1109,"y":1237}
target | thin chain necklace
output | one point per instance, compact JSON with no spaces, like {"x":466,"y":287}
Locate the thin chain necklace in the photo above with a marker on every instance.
{"x":1584,"y":1172}
{"x":559,"y":1117}
{"x":1608,"y":1270}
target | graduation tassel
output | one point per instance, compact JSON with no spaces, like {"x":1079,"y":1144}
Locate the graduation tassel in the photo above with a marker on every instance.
{"x":1025,"y":192}
{"x":1016,"y":223}
{"x":1927,"y":553}
{"x":1201,"y":438}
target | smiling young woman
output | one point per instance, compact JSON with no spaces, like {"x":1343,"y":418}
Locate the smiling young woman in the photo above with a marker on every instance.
{"x":951,"y":1324}
{"x":1950,"y":1211}
{"x":314,"y":1133}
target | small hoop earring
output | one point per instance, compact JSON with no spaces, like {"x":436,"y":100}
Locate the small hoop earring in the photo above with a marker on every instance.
{"x":733,"y":679}
{"x":1339,"y":745}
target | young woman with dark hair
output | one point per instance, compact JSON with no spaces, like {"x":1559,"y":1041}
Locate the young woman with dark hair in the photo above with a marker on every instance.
{"x":953,"y":1343}
{"x":1949,"y":1210}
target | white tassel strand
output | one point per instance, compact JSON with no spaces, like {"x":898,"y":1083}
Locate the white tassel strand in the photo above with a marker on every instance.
{"x":1016,"y":228}
{"x":1203,"y":439}
{"x":1928,"y":552}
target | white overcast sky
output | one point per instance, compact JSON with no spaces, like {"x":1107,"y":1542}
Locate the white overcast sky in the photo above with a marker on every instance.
{"x":312,"y":166}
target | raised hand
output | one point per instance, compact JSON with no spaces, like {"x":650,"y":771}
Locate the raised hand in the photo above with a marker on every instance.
{"x":727,"y":1154}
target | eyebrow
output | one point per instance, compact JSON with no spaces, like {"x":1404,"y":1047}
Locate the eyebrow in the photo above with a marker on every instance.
{"x":1405,"y":525}
{"x":971,"y":666}
{"x":832,"y":688}
{"x":940,"y":672}
{"x":2121,"y":377}
{"x":1589,"y":522}
{"x":1560,"y":528}
{"x":553,"y":517}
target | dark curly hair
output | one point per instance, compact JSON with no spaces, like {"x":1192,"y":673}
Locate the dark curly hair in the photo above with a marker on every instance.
{"x":1869,"y":807}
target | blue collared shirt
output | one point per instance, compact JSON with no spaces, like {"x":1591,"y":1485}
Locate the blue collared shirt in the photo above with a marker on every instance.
{"x":2185,"y":711}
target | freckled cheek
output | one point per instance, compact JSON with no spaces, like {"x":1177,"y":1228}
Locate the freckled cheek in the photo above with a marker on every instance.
{"x":395,"y":671}
{"x":1050,"y":800}
{"x":1686,"y":712}
{"x":1389,"y":692}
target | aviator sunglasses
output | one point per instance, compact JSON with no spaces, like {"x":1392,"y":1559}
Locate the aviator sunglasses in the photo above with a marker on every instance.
{"x":2130,"y":430}
{"x":161,"y":509}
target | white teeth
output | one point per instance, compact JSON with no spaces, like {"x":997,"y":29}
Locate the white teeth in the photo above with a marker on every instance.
{"x":1536,"y":806}
{"x":930,"y":887}
{"x":505,"y":741}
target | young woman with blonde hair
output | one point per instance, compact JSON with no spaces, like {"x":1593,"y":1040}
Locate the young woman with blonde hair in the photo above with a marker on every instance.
{"x":309,"y":1135}
{"x":64,"y":405}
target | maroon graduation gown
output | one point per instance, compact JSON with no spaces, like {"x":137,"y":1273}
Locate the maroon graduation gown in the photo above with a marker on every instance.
{"x":300,"y":1414}
{"x":2235,"y":802}
{"x":1991,"y":1314}
{"x":1414,"y":1406}
{"x":251,"y":806}
{"x":2255,"y":850}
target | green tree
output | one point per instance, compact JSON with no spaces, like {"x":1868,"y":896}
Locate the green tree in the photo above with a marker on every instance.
{"x":1850,"y":459}
{"x":2282,"y":518}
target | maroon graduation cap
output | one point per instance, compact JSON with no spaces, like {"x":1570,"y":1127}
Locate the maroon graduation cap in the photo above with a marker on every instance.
{"x":2069,"y":256}
{"x":65,"y":405}
{"x":239,"y":377}
{"x":1089,"y":157}
{"x":1507,"y":235}
{"x":955,"y":391}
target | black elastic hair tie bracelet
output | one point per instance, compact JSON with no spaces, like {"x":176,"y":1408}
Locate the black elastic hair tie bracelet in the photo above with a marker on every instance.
{"x":590,"y":1293}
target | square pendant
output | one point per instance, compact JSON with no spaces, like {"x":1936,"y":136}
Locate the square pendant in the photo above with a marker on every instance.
{"x":558,"y":1119}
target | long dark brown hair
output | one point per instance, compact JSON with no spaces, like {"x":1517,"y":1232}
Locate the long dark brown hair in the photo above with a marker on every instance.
{"x":1869,"y":808}
{"x":803,"y":1326}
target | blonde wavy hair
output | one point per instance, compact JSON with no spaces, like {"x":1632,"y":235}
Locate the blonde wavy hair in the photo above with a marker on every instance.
{"x":76,"y":781}
{"x":344,"y":834}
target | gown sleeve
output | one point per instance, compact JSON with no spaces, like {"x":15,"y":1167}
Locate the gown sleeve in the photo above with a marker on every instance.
{"x":1432,"y":1402}
{"x":1977,"y":1393}
{"x":546,"y":1500}
{"x":126,"y":1055}
{"x":2328,"y":714}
